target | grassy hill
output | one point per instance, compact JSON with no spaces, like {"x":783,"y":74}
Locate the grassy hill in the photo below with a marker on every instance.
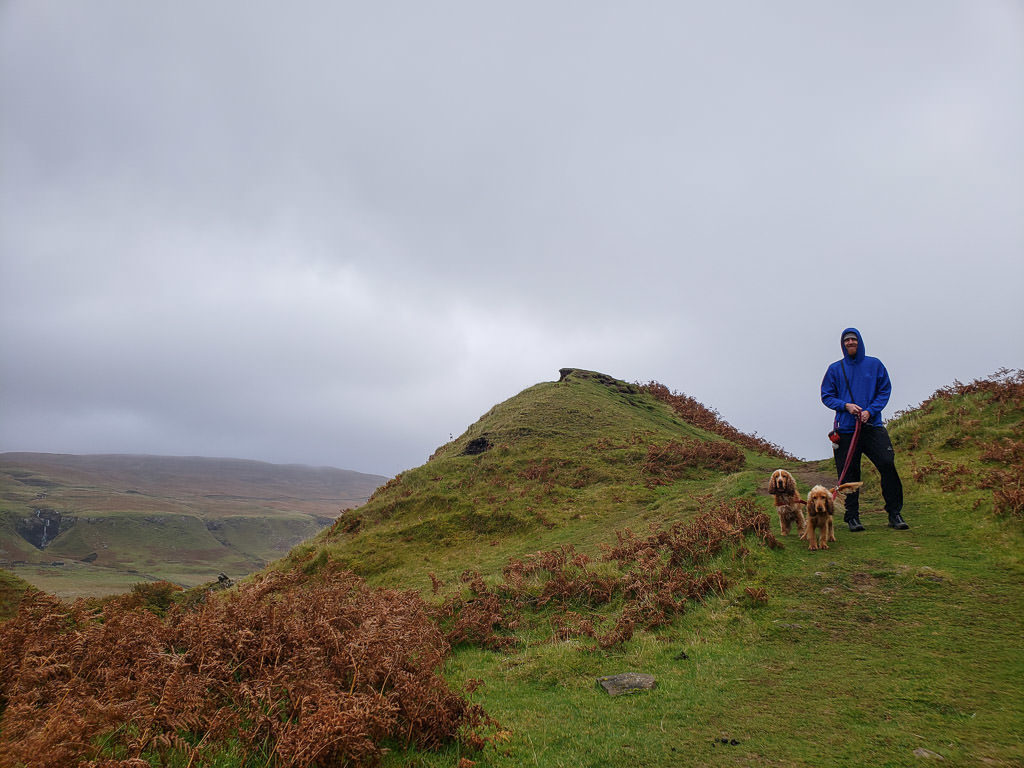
{"x":589,"y":527}
{"x":115,"y":520}
{"x":561,"y":462}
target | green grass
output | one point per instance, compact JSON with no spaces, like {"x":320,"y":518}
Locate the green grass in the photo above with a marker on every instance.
{"x":74,"y":580}
{"x":565,"y":465}
{"x":12,"y":589}
{"x":887,"y":643}
{"x":882,"y":645}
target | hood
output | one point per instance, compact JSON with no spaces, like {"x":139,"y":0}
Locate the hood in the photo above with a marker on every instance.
{"x":860,"y":346}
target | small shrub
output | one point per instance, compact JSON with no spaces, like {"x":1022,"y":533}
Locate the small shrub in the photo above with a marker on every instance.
{"x":156,"y":597}
{"x":670,"y":462}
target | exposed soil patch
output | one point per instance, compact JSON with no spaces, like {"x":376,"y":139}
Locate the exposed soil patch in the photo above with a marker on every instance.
{"x":864,"y":582}
{"x":476,"y":445}
{"x":811,"y":478}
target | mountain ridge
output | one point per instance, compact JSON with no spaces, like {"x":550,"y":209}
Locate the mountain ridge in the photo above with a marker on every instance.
{"x":113,"y":465}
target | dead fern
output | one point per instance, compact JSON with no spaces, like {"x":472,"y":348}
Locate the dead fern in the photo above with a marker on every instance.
{"x":656,"y":578}
{"x":669,"y":462}
{"x":310,"y":673}
{"x":694,"y":412}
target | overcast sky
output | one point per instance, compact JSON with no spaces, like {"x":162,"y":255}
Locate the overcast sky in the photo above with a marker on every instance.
{"x":337,"y":233}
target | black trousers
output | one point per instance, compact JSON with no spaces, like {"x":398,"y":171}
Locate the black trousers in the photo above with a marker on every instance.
{"x":874,"y":443}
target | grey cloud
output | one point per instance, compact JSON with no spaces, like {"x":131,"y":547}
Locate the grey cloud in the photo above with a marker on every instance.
{"x":336,"y":233}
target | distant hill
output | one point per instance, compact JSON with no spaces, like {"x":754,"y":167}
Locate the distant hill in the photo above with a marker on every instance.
{"x":92,"y":524}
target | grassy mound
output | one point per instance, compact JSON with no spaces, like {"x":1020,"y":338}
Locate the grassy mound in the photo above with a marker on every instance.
{"x":564,"y":462}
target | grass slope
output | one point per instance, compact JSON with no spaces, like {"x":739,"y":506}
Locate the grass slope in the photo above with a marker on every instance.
{"x":887,"y":649}
{"x":886,"y":644}
{"x":562,"y":462}
{"x":12,"y":589}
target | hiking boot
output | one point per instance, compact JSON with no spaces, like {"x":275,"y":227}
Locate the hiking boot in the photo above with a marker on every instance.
{"x":855,"y":526}
{"x":896,"y":521}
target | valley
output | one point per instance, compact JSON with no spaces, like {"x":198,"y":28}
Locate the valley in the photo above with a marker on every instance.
{"x":80,"y":526}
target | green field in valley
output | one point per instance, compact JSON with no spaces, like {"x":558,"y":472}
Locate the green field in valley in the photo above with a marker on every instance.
{"x":120,"y":520}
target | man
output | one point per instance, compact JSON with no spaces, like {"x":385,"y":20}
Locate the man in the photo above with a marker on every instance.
{"x":857,"y":388}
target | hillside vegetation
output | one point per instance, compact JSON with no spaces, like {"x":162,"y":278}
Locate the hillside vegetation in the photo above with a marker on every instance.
{"x":562,"y":462}
{"x":583,"y":528}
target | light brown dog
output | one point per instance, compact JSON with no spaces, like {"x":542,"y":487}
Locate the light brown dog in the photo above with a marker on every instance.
{"x":820,"y":508}
{"x":788,"y":503}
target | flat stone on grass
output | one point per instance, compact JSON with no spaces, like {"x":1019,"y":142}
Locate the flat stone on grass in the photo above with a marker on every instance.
{"x":628,"y":682}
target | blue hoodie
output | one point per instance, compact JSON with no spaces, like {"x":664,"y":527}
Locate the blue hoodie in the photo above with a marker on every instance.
{"x":869,"y":385}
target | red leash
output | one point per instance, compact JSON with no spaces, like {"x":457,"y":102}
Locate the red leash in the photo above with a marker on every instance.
{"x":849,"y":455}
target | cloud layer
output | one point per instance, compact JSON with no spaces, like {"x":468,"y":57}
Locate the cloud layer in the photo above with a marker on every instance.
{"x":338,"y":233}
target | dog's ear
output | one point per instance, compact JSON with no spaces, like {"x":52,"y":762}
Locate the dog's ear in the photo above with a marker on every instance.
{"x":790,"y":484}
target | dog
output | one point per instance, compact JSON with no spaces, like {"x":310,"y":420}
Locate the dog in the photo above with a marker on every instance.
{"x":788,"y":503}
{"x":820,"y":507}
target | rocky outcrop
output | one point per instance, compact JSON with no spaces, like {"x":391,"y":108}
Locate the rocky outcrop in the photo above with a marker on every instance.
{"x":601,"y":378}
{"x":43,"y":527}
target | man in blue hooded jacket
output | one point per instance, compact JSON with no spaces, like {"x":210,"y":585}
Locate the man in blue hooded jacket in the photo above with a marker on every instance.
{"x":857,"y":388}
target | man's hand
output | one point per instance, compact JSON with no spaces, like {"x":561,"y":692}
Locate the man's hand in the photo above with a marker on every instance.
{"x":853,"y":408}
{"x":864,"y":416}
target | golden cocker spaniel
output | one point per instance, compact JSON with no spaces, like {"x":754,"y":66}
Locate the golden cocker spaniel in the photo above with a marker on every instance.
{"x":788,"y":503}
{"x":820,"y":508}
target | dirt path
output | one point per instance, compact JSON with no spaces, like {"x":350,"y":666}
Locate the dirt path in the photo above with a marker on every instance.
{"x":811,"y":477}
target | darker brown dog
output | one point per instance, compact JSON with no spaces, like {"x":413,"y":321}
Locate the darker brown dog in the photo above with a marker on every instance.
{"x":788,"y":503}
{"x":820,"y":508}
